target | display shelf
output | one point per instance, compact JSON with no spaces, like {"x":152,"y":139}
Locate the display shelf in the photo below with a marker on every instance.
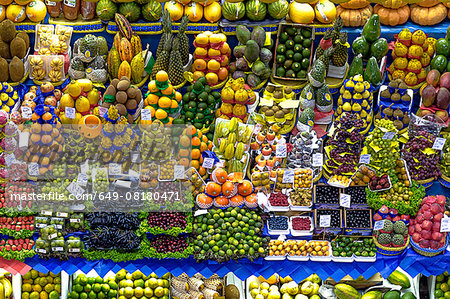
{"x":79,"y":25}
{"x":141,"y":28}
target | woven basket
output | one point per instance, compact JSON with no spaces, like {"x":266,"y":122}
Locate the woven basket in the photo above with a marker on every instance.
{"x":445,"y":181}
{"x":426,"y":183}
{"x":428,"y":252}
{"x":389,"y":250}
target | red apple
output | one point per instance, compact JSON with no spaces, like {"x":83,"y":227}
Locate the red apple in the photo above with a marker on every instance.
{"x":436,"y":226}
{"x":416,"y":237}
{"x":424,"y":244}
{"x":425,"y":234}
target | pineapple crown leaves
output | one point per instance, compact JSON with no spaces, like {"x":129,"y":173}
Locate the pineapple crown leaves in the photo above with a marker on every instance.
{"x":167,"y":22}
{"x":343,"y":40}
{"x":328,"y":34}
{"x":183,"y":24}
{"x":327,"y":54}
{"x":338,"y":24}
{"x":168,"y":44}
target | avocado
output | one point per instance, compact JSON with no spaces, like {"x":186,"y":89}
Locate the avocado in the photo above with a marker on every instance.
{"x":281,"y":49}
{"x":290,"y":74}
{"x":372,"y":72}
{"x":290,"y":44}
{"x":306,"y":53}
{"x":298,"y":39}
{"x":296,"y":67}
{"x":298,"y":57}
{"x":372,"y":29}
{"x":361,"y":46}
{"x":291,"y":31}
{"x":284,"y":37}
{"x":392,"y":295}
{"x":288,"y":63}
{"x":281,"y":59}
{"x":280,"y":71}
{"x":356,"y":68}
{"x":305,"y":63}
{"x":289,"y":54}
{"x":306,"y":43}
{"x":306,"y":32}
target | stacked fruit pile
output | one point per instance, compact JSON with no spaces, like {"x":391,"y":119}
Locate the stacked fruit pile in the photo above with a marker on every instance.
{"x":412,"y":54}
{"x":395,"y":102}
{"x":193,"y":143}
{"x":436,"y":96}
{"x":93,"y":287}
{"x":263,"y":152}
{"x":137,"y":284}
{"x":277,"y":108}
{"x":212,"y":54}
{"x":150,"y":10}
{"x":369,"y":44}
{"x":195,"y":10}
{"x":363,"y":247}
{"x":445,"y":161}
{"x":184,"y":286}
{"x":199,"y":105}
{"x":12,"y":46}
{"x":17,"y":249}
{"x":393,"y":233}
{"x":442,"y":49}
{"x":235,"y":96}
{"x":18,"y":12}
{"x":356,"y":97}
{"x":161,"y":99}
{"x":254,"y":10}
{"x":36,"y":285}
{"x":252,"y":56}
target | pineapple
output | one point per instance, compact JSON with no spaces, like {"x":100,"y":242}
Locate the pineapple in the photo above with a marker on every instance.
{"x":183,"y":276}
{"x":214,"y":284}
{"x":183,"y":39}
{"x":337,"y":27}
{"x":167,"y":31}
{"x":175,"y":64}
{"x":327,"y":54}
{"x":340,"y":54}
{"x":162,"y":60}
{"x":323,"y":42}
{"x":196,"y":284}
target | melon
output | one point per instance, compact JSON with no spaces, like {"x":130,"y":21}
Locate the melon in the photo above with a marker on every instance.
{"x":36,"y":11}
{"x":213,"y":12}
{"x":278,"y":10}
{"x":16,"y":13}
{"x":256,"y":10}
{"x":325,"y":11}
{"x":106,"y":9}
{"x":152,"y":11}
{"x":2,"y":13}
{"x":131,"y":11}
{"x":301,"y":13}
{"x":194,"y":11}
{"x":233,"y":11}
{"x":175,"y":10}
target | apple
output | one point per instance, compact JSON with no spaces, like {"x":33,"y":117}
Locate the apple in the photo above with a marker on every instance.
{"x":47,"y":87}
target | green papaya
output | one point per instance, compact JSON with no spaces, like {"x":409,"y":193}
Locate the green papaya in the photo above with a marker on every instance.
{"x":392,"y":295}
{"x":372,"y":73}
{"x":372,"y":295}
{"x":409,"y":295}
{"x":379,"y":48}
{"x":356,"y":68}
{"x":372,"y":29}
{"x":345,"y":291}
{"x":439,"y":62}
{"x":361,"y":46}
{"x":399,"y":278}
{"x":251,"y":51}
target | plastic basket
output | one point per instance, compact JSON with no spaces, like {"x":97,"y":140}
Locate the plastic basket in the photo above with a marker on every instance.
{"x":384,"y":250}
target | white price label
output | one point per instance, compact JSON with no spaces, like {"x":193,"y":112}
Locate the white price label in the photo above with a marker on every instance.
{"x":178,"y":172}
{"x":84,"y":167}
{"x":26,"y":112}
{"x":364,"y":159}
{"x":52,"y":236}
{"x":257,"y":129}
{"x":281,"y":151}
{"x":378,"y":225}
{"x":288,"y":177}
{"x":10,"y":159}
{"x":445,"y":225}
{"x":439,"y":144}
{"x":200,"y":212}
{"x":134,"y":157}
{"x":102,"y":111}
{"x":220,"y":164}
{"x":46,"y":213}
{"x":325,"y":221}
{"x":389,"y":135}
{"x":74,"y":249}
{"x":317,"y":160}
{"x":62,"y":214}
{"x":40,"y":250}
{"x":146,"y":114}
{"x":75,"y":189}
{"x":115,"y":169}
{"x":208,"y":163}
{"x":57,"y":249}
{"x":74,"y":220}
{"x":302,"y":127}
{"x":70,"y":113}
{"x":33,"y":169}
{"x":58,"y":226}
{"x":344,"y":200}
{"x":82,"y":179}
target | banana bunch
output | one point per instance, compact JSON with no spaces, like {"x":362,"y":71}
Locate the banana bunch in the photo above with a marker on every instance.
{"x":5,"y":286}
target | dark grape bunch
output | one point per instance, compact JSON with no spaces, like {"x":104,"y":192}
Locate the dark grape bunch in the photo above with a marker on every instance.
{"x":358,"y":218}
{"x":335,"y":217}
{"x":107,"y":238}
{"x":125,"y":221}
{"x":164,"y":244}
{"x":357,"y":194}
{"x":426,"y":166}
{"x":167,"y":220}
{"x":327,"y":195}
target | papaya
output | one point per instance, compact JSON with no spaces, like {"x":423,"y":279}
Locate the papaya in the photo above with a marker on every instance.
{"x":399,"y":278}
{"x":372,"y":73}
{"x":361,"y":46}
{"x":379,"y":48}
{"x":392,"y":295}
{"x":356,"y":68}
{"x":373,"y":295}
{"x":345,"y":291}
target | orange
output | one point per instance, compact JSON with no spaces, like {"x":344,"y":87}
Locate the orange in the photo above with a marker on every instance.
{"x":196,"y":142}
{"x":168,"y":90}
{"x":190,"y":130}
{"x":228,"y":189}
{"x":164,"y":102}
{"x":204,"y":138}
{"x":199,"y":134}
{"x":199,"y":65}
{"x":152,"y":99}
{"x":201,"y":171}
{"x":204,"y":200}
{"x":152,"y":86}
{"x":203,"y":147}
{"x":251,"y":201}
{"x":202,"y":39}
{"x":185,"y":141}
{"x":213,"y":189}
{"x":197,"y":75}
{"x":200,"y":52}
{"x":183,"y":152}
{"x":195,"y":164}
{"x":195,"y":154}
{"x":174,"y":104}
{"x":245,"y":188}
{"x":178,"y":96}
{"x":236,"y":201}
{"x":222,"y":74}
{"x":213,"y":65}
{"x":162,"y":76}
{"x":221,"y":201}
{"x":160,"y":114}
{"x":213,"y":52}
{"x":184,"y":162}
{"x":225,"y":49}
{"x":219,"y":175}
{"x":224,"y":61}
{"x":212,"y":78}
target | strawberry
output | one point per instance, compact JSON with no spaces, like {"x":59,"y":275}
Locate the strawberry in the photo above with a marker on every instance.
{"x":2,"y":242}
{"x":27,"y":241}
{"x":10,"y":242}
{"x":30,"y":246}
{"x":1,"y":248}
{"x":13,"y":248}
{"x":16,"y":242}
{"x":8,"y":247}
{"x":21,"y":241}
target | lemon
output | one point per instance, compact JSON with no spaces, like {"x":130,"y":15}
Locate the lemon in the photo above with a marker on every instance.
{"x":159,"y":292}
{"x":26,"y":287}
{"x":82,"y":105}
{"x":253,"y":285}
{"x":138,"y":292}
{"x":148,"y":292}
{"x":128,"y":292}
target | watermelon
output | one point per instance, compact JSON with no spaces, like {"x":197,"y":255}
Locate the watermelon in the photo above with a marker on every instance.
{"x":131,"y":11}
{"x":152,"y":11}
{"x":106,"y":10}
{"x":279,"y":9}
{"x":256,"y":10}
{"x":233,"y":11}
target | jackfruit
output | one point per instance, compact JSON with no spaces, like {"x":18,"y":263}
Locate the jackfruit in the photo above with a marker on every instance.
{"x":16,"y":69}
{"x":4,"y":72}
{"x":18,"y":48}
{"x":7,"y":31}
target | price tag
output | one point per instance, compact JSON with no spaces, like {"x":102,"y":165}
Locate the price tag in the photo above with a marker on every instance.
{"x":220,"y":164}
{"x":10,"y":159}
{"x":325,"y":220}
{"x":74,"y":249}
{"x":40,"y":250}
{"x":281,"y":151}
{"x":257,"y":129}
{"x":439,"y":144}
{"x":302,"y":127}
{"x":364,"y":159}
{"x":75,"y":189}
{"x":26,"y":112}
{"x":62,"y":214}
{"x":46,"y":213}
{"x":344,"y":200}
{"x":57,"y":248}
{"x":84,"y":167}
{"x":74,"y":220}
{"x":70,"y":113}
{"x":208,"y":163}
{"x":389,"y":135}
{"x":200,"y":212}
{"x":33,"y":169}
{"x":134,"y":157}
{"x":378,"y":225}
{"x":58,"y":226}
{"x":178,"y":172}
{"x":146,"y":114}
{"x":115,"y":169}
{"x":82,"y":179}
{"x":102,"y":111}
{"x":317,"y":160}
{"x":40,"y":225}
{"x":445,"y":225}
{"x":52,"y":236}
{"x":288,"y":176}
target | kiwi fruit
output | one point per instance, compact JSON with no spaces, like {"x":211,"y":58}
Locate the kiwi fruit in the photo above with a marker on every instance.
{"x":131,"y":104}
{"x":131,"y":92}
{"x":16,"y":69}
{"x":106,"y":105}
{"x":7,"y":30}
{"x":270,"y":88}
{"x":138,"y":97}
{"x":121,"y":109}
{"x":130,"y":118}
{"x":121,"y":97}
{"x":111,"y":90}
{"x":4,"y":50}
{"x":123,"y":85}
{"x":25,"y":38}
{"x":18,"y":47}
{"x":114,"y":82}
{"x":4,"y":70}
{"x":279,"y":114}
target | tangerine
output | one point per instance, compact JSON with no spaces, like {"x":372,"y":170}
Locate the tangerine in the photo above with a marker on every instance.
{"x":229,"y":189}
{"x":184,"y":162}
{"x":221,"y":202}
{"x":219,"y":175}
{"x":178,"y":96}
{"x":195,"y":164}
{"x":152,"y":99}
{"x":196,"y":142}
{"x":225,"y":49}
{"x":195,"y":154}
{"x":201,"y":171}
{"x":174,"y":104}
{"x":213,"y":65}
{"x":162,"y":76}
{"x":152,"y":86}
{"x":200,"y":52}
{"x":245,"y":188}
{"x":213,"y":189}
{"x":168,"y":90}
{"x":199,"y":65}
{"x":225,"y":60}
{"x":212,"y":78}
{"x":160,"y":114}
{"x":204,"y":201}
{"x":236,"y":201}
{"x":185,"y":141}
{"x":197,"y":75}
{"x":203,"y":147}
{"x":251,"y":201}
{"x":213,"y":52}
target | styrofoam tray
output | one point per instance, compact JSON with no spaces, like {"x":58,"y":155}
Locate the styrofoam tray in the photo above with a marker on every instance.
{"x":17,"y":285}
{"x":298,"y":208}
{"x":322,"y":258}
{"x":339,"y":259}
{"x":299,"y":233}
{"x":408,"y":91}
{"x":275,"y":232}
{"x":277,"y":208}
{"x":365,"y":258}
{"x":299,"y":258}
{"x":275,"y":258}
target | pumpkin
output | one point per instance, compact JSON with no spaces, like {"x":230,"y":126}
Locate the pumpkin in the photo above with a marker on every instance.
{"x":325,"y":11}
{"x":301,"y":13}
{"x":394,"y":4}
{"x":354,"y":17}
{"x":427,"y":3}
{"x":427,"y":16}
{"x":447,"y":4}
{"x":392,"y":17}
{"x":339,"y":1}
{"x":355,"y":4}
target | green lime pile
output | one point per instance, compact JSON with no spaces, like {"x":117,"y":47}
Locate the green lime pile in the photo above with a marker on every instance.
{"x":137,"y":285}
{"x":36,"y":285}
{"x":93,"y":287}
{"x":442,"y":288}
{"x":293,"y":52}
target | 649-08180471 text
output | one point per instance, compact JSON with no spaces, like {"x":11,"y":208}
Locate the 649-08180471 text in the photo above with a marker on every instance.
{"x":102,"y":196}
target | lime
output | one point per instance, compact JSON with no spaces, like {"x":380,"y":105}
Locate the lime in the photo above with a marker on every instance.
{"x":444,"y":287}
{"x":438,"y":293}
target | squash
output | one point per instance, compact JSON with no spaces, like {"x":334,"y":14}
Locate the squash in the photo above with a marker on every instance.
{"x":427,"y":16}
{"x":392,"y":17}
{"x":393,"y":4}
{"x":301,"y":13}
{"x":341,"y":1}
{"x":354,"y":17}
{"x":447,"y":4}
{"x":325,"y":11}
{"x":355,"y":4}
{"x":427,"y":3}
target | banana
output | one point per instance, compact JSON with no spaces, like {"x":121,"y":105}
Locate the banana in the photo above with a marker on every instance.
{"x":7,"y":287}
{"x":2,"y":292}
{"x":232,"y":138}
{"x":219,"y":128}
{"x":247,"y":134}
{"x":223,"y":146}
